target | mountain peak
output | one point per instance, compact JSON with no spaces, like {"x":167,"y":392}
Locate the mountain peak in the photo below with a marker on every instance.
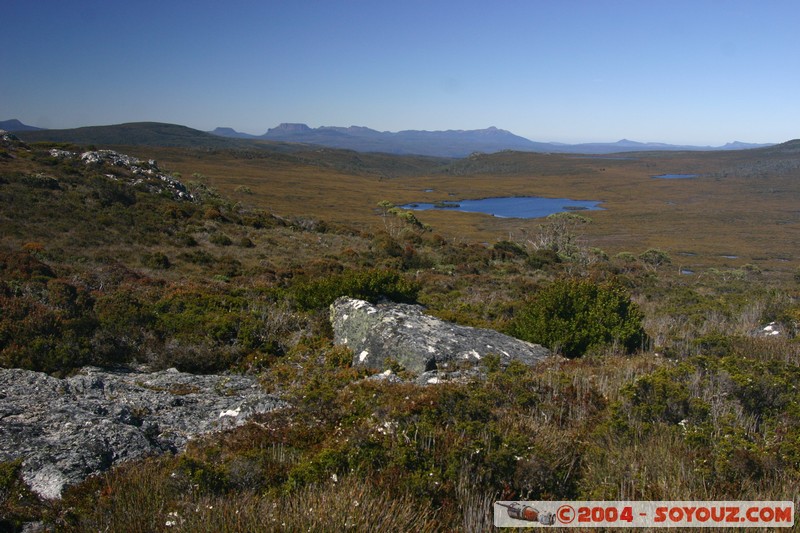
{"x":290,"y":127}
{"x":15,"y":125}
{"x":232,"y":133}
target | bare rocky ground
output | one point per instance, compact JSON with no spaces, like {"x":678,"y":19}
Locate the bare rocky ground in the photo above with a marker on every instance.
{"x":65,"y":430}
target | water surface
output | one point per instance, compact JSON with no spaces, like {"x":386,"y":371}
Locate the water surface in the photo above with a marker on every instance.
{"x":512,"y":207}
{"x":675,"y":176}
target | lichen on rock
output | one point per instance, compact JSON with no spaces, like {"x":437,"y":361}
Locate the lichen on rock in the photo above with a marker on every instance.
{"x":65,"y":430}
{"x":389,"y":334}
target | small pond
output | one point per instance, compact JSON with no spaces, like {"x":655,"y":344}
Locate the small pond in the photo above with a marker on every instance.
{"x":675,"y":176}
{"x":511,"y":207}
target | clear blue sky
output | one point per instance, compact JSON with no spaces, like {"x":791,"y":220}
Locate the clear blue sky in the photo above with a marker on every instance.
{"x":697,"y":72}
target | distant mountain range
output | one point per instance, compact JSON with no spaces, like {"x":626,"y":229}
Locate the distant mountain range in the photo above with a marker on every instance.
{"x":450,"y":143}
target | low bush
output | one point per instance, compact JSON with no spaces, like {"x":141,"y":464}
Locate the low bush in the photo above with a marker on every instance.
{"x":539,"y":259}
{"x":576,"y":316}
{"x":46,"y":327}
{"x":503,"y":250}
{"x":17,"y":503}
{"x":220,"y":239}
{"x":370,"y":285}
{"x":720,"y":426}
{"x":156,"y":260}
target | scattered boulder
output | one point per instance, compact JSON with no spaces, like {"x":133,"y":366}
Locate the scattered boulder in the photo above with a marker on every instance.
{"x":65,"y":430}
{"x":385,"y":333}
{"x":773,"y":329}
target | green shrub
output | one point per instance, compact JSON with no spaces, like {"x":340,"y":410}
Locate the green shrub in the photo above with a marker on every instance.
{"x":576,"y":316}
{"x":507,"y":249}
{"x":220,"y":239}
{"x":205,"y":477}
{"x":736,"y":417}
{"x":185,"y":239}
{"x":41,"y":181}
{"x":195,"y":314}
{"x":123,"y":313}
{"x":108,"y":192}
{"x":714,"y":344}
{"x":370,"y":285}
{"x":47,"y":328}
{"x":662,"y":397}
{"x":156,"y":260}
{"x":539,"y":259}
{"x":655,"y":258}
{"x":198,"y":257}
{"x":17,"y":503}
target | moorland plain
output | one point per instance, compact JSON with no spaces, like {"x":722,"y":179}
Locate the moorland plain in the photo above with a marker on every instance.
{"x":742,"y":203}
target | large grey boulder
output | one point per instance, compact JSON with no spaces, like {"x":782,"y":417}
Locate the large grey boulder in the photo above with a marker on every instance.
{"x":67,"y":429}
{"x":379,"y":334}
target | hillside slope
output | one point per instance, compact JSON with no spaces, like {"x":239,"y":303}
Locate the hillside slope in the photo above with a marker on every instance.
{"x":133,"y":133}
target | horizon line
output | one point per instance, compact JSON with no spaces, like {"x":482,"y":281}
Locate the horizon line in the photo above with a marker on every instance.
{"x":492,"y":127}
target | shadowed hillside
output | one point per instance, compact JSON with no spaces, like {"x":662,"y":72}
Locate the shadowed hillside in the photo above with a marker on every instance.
{"x":134,"y":133}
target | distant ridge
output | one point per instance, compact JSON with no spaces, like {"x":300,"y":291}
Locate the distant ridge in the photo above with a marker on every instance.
{"x":450,"y":143}
{"x":133,"y":133}
{"x":232,"y":133}
{"x":15,"y":125}
{"x":789,"y":147}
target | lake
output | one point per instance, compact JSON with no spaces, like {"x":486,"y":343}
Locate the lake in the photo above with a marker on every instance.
{"x":675,"y":176}
{"x":511,"y":207}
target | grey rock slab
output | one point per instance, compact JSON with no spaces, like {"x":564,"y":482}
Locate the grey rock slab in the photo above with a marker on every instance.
{"x":382,"y":333}
{"x":67,"y":429}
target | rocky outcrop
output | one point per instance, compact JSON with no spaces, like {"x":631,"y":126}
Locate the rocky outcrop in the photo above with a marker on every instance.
{"x":64,"y":430}
{"x":11,"y":141}
{"x":383,"y":333}
{"x":142,"y":173}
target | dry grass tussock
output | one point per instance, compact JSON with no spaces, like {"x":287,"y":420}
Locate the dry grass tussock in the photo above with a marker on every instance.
{"x":153,"y":497}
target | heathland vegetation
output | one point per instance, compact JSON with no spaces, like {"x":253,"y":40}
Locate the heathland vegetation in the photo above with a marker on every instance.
{"x":669,"y":388}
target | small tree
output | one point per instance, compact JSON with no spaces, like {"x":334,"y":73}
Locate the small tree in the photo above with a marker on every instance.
{"x":575,"y":316}
{"x":559,"y":234}
{"x":396,"y":219}
{"x":654,"y":258}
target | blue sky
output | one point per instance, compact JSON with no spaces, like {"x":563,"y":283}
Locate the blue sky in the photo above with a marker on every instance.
{"x":696,"y":72}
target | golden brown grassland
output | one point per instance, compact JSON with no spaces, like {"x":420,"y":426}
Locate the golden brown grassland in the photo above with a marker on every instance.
{"x":743,"y":204}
